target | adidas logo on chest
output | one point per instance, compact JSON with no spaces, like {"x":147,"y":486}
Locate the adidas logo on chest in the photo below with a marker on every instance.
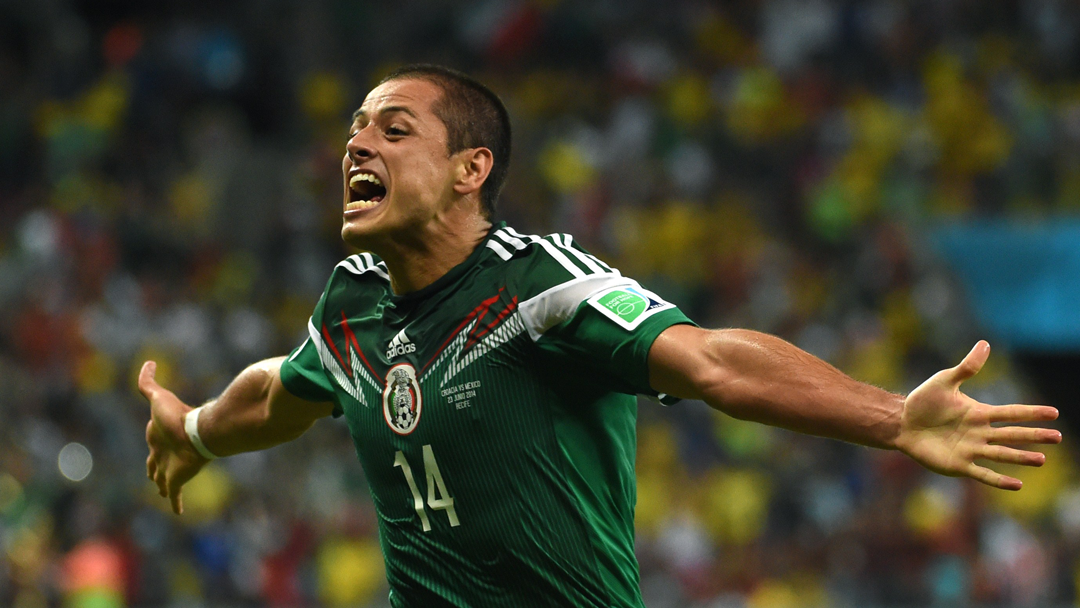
{"x":400,"y":345}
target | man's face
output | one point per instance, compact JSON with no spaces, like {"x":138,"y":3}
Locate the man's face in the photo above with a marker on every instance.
{"x":397,"y":172}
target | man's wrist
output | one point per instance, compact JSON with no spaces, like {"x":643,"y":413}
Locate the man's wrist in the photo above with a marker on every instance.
{"x":191,"y":427}
{"x":895,"y":425}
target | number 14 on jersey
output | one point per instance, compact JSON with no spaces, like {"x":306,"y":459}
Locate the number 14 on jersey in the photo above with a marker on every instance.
{"x":438,"y":498}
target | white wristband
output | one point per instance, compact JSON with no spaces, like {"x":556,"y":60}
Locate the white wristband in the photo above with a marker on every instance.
{"x":191,"y":425}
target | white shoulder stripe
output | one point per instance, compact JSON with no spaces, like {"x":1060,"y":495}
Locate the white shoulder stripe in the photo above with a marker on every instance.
{"x":379,"y":269}
{"x":546,"y":244}
{"x":559,"y":257}
{"x":515,"y":242}
{"x":601,"y":263}
{"x":514,"y":233}
{"x":563,"y":240}
{"x":360,"y":263}
{"x":499,"y":249}
{"x":349,"y":264}
{"x":557,"y":304}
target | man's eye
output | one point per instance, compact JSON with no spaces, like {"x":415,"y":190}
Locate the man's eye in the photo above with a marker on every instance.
{"x":395,"y":131}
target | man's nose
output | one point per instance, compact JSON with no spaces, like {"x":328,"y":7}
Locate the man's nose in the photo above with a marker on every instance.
{"x":358,"y":149}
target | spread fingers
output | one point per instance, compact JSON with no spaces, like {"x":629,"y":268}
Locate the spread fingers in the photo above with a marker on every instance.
{"x":1006,"y":455}
{"x":1021,"y":435}
{"x":1022,"y":413}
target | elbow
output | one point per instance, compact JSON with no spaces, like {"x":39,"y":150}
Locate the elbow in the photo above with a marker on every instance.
{"x":712,"y":379}
{"x":693,"y":363}
{"x":716,"y":380}
{"x":283,"y":429}
{"x":714,"y":386}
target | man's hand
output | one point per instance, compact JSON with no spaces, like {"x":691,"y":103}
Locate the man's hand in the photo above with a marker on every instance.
{"x":173,"y":460}
{"x":946,"y":431}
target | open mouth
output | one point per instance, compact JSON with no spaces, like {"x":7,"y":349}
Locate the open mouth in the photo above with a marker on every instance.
{"x":365,"y":192}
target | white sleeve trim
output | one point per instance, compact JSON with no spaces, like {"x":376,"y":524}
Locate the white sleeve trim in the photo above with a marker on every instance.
{"x":303,"y":345}
{"x":557,"y":304}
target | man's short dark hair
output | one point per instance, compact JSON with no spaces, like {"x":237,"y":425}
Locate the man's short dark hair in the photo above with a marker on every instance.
{"x":474,"y":116}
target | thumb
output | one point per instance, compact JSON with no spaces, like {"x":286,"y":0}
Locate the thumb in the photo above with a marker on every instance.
{"x":147,"y":385}
{"x":971,"y":364}
{"x":177,"y":500}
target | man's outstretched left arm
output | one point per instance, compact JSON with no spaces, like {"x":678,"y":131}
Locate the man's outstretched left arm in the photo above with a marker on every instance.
{"x":758,"y":377}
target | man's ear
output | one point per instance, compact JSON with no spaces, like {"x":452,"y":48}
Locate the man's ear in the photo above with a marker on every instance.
{"x":475,"y":167}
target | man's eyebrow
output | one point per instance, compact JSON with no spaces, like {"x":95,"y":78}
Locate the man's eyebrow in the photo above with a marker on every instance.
{"x":387,"y":110}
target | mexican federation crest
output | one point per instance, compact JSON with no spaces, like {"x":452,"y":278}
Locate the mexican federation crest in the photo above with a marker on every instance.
{"x":401,"y":399}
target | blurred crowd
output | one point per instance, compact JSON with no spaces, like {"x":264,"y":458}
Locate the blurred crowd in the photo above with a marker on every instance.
{"x":170,"y":189}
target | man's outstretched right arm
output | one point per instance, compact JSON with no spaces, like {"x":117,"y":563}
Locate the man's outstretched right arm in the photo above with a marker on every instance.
{"x":255,"y":412}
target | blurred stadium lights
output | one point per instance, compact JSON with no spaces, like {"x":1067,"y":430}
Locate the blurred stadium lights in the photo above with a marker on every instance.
{"x":75,"y":461}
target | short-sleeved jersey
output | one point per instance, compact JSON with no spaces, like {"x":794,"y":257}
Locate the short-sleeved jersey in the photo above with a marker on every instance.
{"x":494,"y":416}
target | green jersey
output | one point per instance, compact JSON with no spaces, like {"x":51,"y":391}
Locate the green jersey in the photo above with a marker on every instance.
{"x":494,"y":416}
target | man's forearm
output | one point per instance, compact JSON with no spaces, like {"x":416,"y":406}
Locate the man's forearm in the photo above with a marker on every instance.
{"x":766,"y":379}
{"x":242,"y":418}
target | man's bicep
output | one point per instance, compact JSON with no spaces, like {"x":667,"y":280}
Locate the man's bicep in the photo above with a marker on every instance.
{"x":679,"y":361}
{"x":290,"y":408}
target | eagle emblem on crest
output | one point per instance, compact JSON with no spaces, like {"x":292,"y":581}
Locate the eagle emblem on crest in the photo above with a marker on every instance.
{"x":401,"y":398}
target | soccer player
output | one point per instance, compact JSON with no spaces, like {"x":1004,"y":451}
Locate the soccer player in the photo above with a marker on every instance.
{"x":487,"y":376}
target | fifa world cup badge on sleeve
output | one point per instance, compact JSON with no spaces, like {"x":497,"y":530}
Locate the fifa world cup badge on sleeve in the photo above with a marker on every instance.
{"x":628,"y":306}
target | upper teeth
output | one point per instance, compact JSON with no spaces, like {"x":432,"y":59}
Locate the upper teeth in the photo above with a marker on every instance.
{"x":363,"y":177}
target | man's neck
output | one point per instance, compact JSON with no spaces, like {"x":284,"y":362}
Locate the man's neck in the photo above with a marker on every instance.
{"x":419,"y":261}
